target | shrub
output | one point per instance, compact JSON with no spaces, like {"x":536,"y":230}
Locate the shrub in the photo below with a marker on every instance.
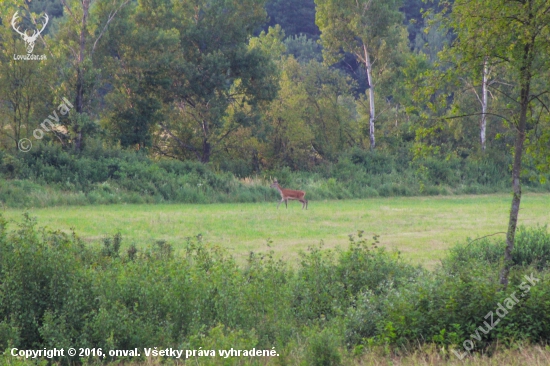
{"x":322,"y":348}
{"x":532,"y":247}
{"x":56,"y":292}
{"x":49,"y":175}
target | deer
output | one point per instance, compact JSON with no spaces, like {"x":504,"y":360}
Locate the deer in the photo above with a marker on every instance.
{"x":290,"y":194}
{"x":29,"y":40}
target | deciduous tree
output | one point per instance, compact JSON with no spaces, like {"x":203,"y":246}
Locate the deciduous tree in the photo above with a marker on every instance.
{"x":24,"y":84}
{"x":80,"y":32}
{"x":517,"y":34}
{"x":216,"y":69}
{"x":358,"y":27}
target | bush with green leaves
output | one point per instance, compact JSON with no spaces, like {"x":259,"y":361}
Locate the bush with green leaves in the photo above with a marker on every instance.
{"x":56,"y":291}
{"x":532,"y":247}
{"x":49,"y":175}
{"x":323,"y":348}
{"x":450,"y":305}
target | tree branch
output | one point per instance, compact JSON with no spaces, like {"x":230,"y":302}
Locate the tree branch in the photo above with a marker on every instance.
{"x":109,"y":19}
{"x":481,"y":237}
{"x":478,"y":114}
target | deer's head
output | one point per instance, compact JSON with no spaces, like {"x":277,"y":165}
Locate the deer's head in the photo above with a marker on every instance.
{"x":29,"y":40}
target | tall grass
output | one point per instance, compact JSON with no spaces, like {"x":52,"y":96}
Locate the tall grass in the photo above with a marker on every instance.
{"x":49,"y":175}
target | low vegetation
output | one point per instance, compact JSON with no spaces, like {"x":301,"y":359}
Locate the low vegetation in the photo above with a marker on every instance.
{"x":332,"y":307}
{"x":51,"y":176}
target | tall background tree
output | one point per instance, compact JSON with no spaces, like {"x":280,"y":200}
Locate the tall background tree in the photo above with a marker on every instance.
{"x":215,"y":69}
{"x":25,"y":85}
{"x":80,"y":33}
{"x":360,"y":28}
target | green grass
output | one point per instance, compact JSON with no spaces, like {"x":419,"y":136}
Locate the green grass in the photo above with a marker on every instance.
{"x":422,"y":228}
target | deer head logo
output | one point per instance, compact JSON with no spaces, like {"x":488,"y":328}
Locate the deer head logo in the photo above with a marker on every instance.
{"x":29,"y":40}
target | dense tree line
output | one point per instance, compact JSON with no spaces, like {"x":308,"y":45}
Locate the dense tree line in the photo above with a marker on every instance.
{"x":259,"y":83}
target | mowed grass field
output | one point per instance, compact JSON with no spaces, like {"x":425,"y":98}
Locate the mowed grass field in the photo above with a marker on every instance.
{"x":422,"y":228}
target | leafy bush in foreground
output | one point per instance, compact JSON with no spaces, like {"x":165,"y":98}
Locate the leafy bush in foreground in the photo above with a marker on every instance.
{"x":532,"y":247}
{"x":57,"y":292}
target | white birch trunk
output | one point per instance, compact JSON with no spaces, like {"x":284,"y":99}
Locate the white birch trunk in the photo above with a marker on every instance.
{"x":371,"y":99}
{"x":483,"y":123}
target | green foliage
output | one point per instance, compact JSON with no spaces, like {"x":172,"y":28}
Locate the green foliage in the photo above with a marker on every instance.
{"x":24,"y":102}
{"x":49,"y":175}
{"x":111,"y":247}
{"x":532,"y":248}
{"x":188,"y":81}
{"x":303,"y":49}
{"x":365,"y":29}
{"x":447,"y":308}
{"x":324,"y":289}
{"x":207,"y":71}
{"x":322,"y":348}
{"x":56,"y":292}
{"x":295,"y":17}
{"x":39,"y":272}
{"x":95,"y":297}
{"x":54,"y":8}
{"x":349,"y":25}
{"x":110,"y":175}
{"x":192,"y":82}
{"x":142,"y":78}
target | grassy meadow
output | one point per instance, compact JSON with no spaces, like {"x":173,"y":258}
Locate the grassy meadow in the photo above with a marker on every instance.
{"x":422,"y":228}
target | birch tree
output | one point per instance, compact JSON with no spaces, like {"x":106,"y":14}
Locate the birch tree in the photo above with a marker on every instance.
{"x":484,"y":93}
{"x":517,"y":34}
{"x":483,"y":99}
{"x":359,"y":27}
{"x":80,"y":32}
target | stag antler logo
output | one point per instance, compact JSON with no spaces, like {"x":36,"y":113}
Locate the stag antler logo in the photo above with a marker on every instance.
{"x":29,"y":40}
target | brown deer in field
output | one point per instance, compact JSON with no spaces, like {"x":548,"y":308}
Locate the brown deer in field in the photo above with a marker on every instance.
{"x":290,"y":194}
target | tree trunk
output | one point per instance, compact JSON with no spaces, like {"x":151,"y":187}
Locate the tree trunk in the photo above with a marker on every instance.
{"x":78,"y":108}
{"x":516,"y":199}
{"x":206,"y":150}
{"x":79,"y":99}
{"x":516,"y":170}
{"x":371,"y":99}
{"x":483,"y":123}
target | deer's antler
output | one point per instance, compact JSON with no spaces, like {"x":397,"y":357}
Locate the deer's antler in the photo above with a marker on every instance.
{"x":46,"y":18}
{"x":29,"y":40}
{"x":15,"y":17}
{"x":37,"y":32}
